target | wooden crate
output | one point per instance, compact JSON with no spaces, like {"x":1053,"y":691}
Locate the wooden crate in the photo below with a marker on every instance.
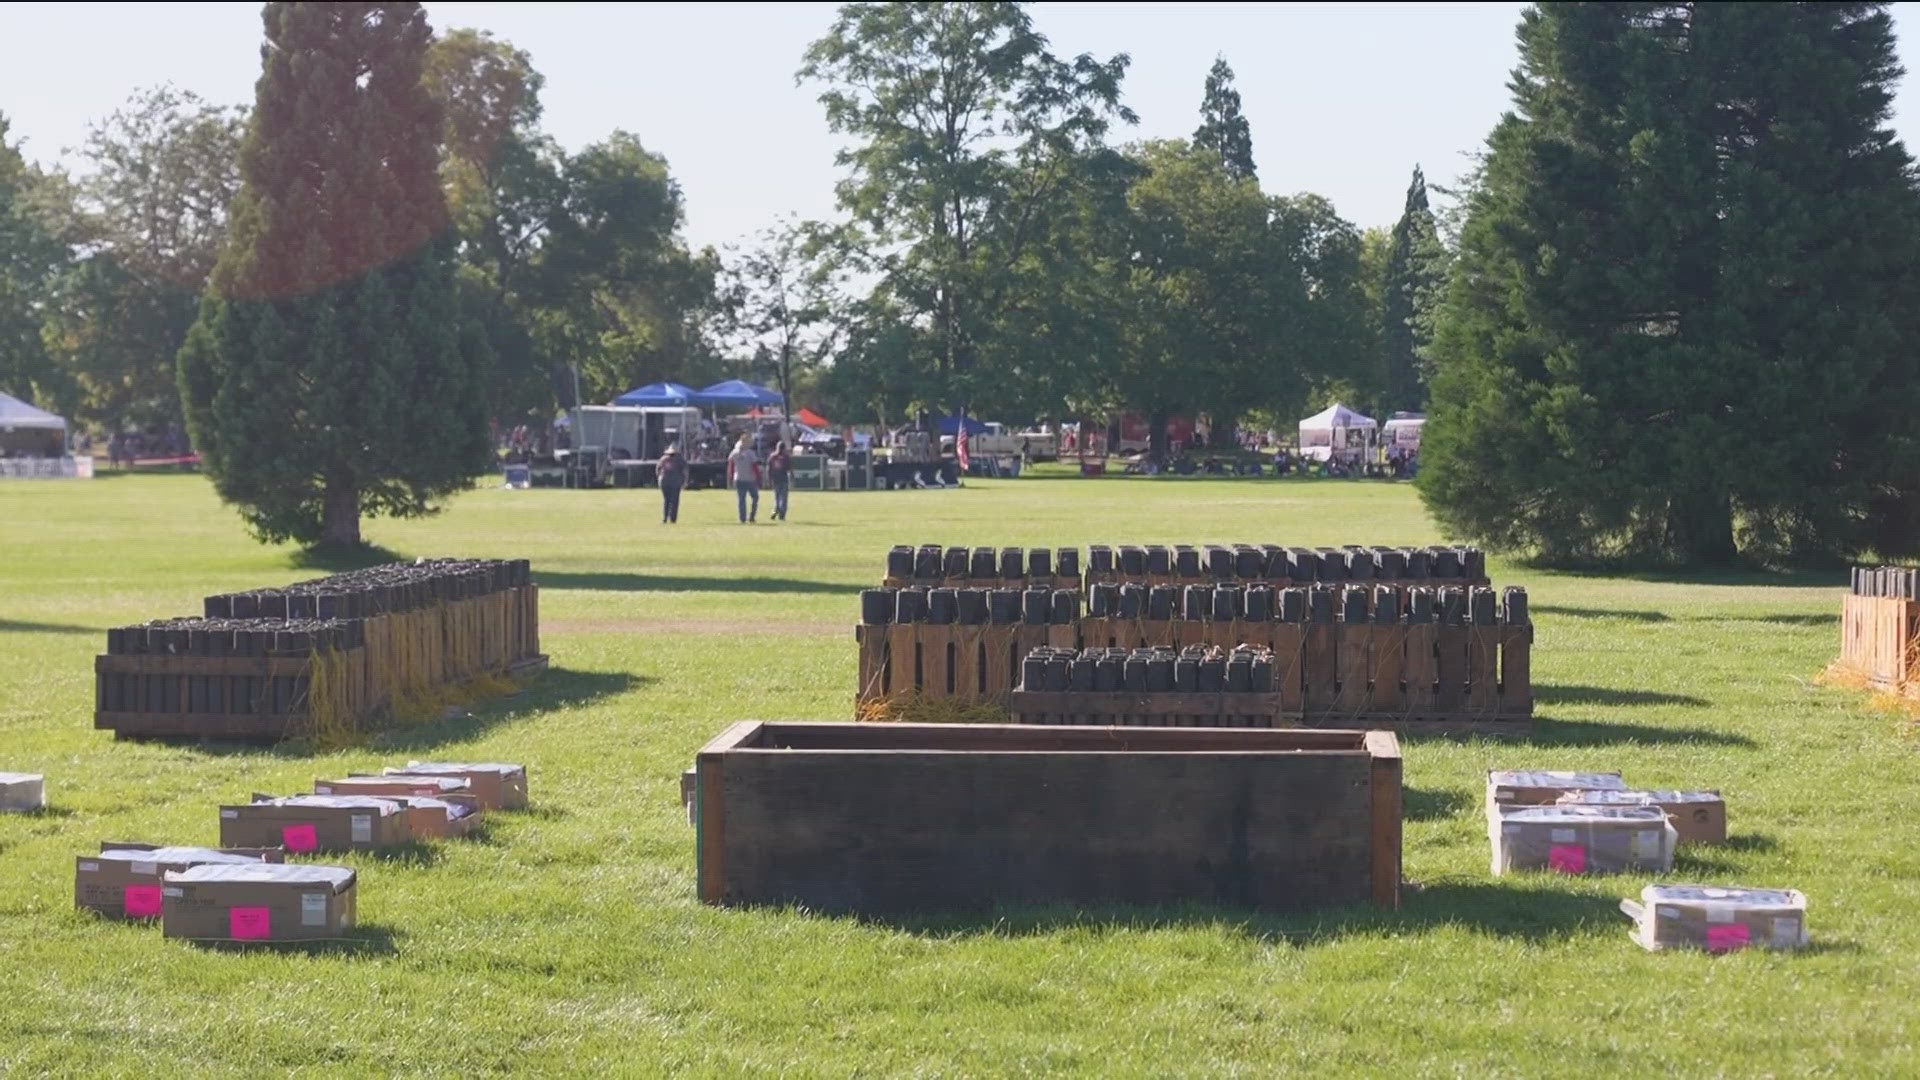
{"x":1880,"y":640}
{"x":1134,"y":709}
{"x":896,"y":818}
{"x":237,"y":697}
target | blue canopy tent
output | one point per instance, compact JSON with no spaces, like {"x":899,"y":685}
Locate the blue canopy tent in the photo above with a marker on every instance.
{"x":660,"y":393}
{"x":950,"y":425}
{"x":737,"y":394}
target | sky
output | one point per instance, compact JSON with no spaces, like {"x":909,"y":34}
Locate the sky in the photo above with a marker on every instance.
{"x":1343,"y":99}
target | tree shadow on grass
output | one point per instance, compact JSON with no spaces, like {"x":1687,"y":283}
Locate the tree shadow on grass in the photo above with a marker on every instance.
{"x":1563,"y":694}
{"x":366,"y":941}
{"x":1509,"y":909}
{"x":334,"y":560}
{"x":615,"y":582}
{"x":15,"y":626}
{"x":1663,"y":617}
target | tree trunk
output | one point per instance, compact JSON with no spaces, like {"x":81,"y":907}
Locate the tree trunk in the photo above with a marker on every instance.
{"x":340,"y":521}
{"x":1700,"y":529}
{"x":1225,"y":432}
{"x":1157,"y":437}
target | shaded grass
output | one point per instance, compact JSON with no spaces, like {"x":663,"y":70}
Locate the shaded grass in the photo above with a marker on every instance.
{"x":568,"y":940}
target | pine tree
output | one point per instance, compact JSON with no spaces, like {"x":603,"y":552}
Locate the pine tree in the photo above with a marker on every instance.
{"x":1223,"y":129}
{"x":325,"y":377}
{"x":1680,"y":327}
{"x":1415,"y":279}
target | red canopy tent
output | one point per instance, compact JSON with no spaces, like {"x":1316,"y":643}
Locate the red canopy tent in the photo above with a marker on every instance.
{"x":805,"y":416}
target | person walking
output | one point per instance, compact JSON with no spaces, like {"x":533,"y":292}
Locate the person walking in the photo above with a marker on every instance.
{"x":743,"y":472}
{"x":780,"y":472}
{"x":673,"y":480}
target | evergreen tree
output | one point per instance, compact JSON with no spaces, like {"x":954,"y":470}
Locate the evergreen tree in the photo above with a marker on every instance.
{"x":325,"y":377}
{"x":1415,"y":278}
{"x":1223,"y":129}
{"x":1680,"y":328}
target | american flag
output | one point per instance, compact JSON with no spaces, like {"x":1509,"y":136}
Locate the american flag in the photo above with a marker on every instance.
{"x":960,"y":445}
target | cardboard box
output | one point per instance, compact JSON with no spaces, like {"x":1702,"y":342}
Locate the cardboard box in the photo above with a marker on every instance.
{"x":1534,"y":788}
{"x":263,"y":902}
{"x":448,"y":817}
{"x":431,"y":787}
{"x":497,"y":786}
{"x":1699,"y":816}
{"x":303,"y":824}
{"x":1582,"y":839}
{"x":123,"y":881}
{"x":1717,"y":919}
{"x":22,"y":793}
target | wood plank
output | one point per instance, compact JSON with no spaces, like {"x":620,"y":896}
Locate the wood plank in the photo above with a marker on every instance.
{"x":1516,"y":670}
{"x":1388,"y":696}
{"x":903,"y":659}
{"x":1483,"y":669}
{"x":1387,"y":821}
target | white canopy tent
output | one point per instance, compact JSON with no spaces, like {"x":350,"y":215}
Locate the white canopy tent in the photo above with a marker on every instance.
{"x":1336,"y":430}
{"x":33,"y":442}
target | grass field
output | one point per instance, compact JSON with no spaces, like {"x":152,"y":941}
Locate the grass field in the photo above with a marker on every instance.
{"x":568,"y":940}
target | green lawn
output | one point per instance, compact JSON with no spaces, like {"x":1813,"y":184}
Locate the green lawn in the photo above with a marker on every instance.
{"x":569,"y":940}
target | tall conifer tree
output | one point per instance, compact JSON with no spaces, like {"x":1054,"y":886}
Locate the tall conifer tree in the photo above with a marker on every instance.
{"x":325,"y":377}
{"x":1415,"y":276}
{"x":1223,"y":129}
{"x":1680,"y":328}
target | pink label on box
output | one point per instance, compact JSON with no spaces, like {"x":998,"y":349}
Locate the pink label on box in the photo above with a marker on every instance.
{"x":143,"y":901}
{"x":1728,"y":938}
{"x":1568,"y":858}
{"x":250,"y":923}
{"x":300,"y":838}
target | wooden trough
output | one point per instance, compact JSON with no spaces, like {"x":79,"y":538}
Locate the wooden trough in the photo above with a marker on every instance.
{"x":903,"y":818}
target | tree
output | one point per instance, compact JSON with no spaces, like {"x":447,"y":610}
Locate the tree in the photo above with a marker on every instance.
{"x":967,"y":133}
{"x":325,"y":378}
{"x":149,"y":217}
{"x":619,"y":293}
{"x":780,"y":303}
{"x":1415,"y":279}
{"x":30,"y":259}
{"x":1223,"y":129}
{"x":1679,"y":326}
{"x":505,"y":188}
